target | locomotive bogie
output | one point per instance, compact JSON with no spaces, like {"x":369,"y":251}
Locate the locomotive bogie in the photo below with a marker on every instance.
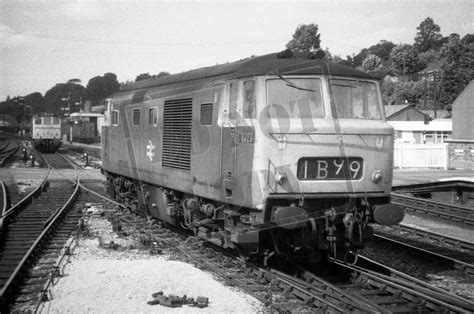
{"x":294,"y":164}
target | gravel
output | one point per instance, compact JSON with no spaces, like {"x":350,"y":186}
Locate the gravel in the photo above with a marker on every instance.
{"x":107,"y":274}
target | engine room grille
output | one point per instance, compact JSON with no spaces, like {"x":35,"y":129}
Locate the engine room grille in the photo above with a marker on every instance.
{"x":177,"y":125}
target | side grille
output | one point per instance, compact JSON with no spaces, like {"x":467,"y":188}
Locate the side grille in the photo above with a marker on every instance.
{"x":177,"y":125}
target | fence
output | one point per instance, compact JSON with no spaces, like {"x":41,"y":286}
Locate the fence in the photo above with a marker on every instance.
{"x":420,"y":155}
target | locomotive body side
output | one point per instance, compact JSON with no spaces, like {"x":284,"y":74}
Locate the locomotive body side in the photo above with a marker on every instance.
{"x":46,"y":133}
{"x":296,"y":164}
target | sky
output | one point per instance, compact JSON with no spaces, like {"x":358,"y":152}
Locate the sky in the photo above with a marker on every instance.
{"x":45,"y":42}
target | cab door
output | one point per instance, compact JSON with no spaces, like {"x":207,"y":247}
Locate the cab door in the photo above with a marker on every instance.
{"x":229,"y":143}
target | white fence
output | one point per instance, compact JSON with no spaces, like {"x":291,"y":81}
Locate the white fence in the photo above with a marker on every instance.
{"x":420,"y":155}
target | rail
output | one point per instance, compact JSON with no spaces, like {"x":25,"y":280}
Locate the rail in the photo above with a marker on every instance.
{"x":435,"y":209}
{"x":48,"y":228}
{"x":26,"y":200}
{"x":7,"y":288}
{"x":396,"y":275}
{"x":433,"y":300}
{"x":456,"y":263}
{"x":7,"y":152}
{"x":438,"y":237}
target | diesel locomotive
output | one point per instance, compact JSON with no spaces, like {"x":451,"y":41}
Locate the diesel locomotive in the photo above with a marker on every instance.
{"x":46,"y":133}
{"x":272,"y":155}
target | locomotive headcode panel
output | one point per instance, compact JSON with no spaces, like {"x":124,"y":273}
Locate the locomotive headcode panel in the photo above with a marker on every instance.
{"x":270,"y":155}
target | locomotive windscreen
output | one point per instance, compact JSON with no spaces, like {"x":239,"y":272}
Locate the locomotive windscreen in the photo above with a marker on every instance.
{"x":294,"y":98}
{"x":355,"y":99}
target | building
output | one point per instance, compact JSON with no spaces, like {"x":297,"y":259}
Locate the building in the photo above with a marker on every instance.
{"x":416,"y":127}
{"x":85,"y":126}
{"x":417,"y":132}
{"x":405,"y":112}
{"x":461,"y":144}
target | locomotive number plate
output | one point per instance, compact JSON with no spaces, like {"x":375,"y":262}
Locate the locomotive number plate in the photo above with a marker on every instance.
{"x":330,"y":168}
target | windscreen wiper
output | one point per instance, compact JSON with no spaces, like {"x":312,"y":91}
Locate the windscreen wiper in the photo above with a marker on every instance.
{"x":291,"y":84}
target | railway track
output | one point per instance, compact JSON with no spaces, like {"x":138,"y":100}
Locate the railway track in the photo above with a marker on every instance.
{"x":463,"y":215}
{"x":57,"y":161}
{"x":7,"y":150}
{"x":284,"y":292}
{"x":34,"y":227}
{"x":456,"y":253}
{"x":371,"y":293}
{"x":403,"y":293}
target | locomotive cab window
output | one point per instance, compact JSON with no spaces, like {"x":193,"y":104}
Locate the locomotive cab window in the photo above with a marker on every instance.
{"x":294,"y":98}
{"x":153,"y":116}
{"x":136,"y":116}
{"x":351,"y":99}
{"x":115,"y":117}
{"x":206,"y":114}
{"x":233,"y":100}
{"x":249,"y":100}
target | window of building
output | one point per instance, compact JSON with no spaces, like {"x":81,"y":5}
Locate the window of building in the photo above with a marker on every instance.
{"x":206,"y":114}
{"x":115,"y":117}
{"x":56,"y":121}
{"x":429,"y":137}
{"x":38,"y":121}
{"x":153,"y":116}
{"x":249,"y":100}
{"x":233,"y":95}
{"x":136,"y":117}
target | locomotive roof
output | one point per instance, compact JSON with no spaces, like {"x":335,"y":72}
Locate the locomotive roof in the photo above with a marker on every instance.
{"x":268,"y":64}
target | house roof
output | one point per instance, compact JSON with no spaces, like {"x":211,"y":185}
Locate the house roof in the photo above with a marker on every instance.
{"x":464,"y":93}
{"x":393,"y":109}
{"x":440,"y":114}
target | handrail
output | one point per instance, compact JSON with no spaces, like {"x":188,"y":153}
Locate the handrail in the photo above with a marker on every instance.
{"x":5,"y":200}
{"x":38,"y":240}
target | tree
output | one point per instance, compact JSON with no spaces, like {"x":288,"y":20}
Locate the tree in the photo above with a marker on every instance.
{"x":405,"y":59}
{"x":74,"y":81}
{"x":360,"y":57}
{"x":458,"y":71}
{"x":61,"y":98}
{"x":409,"y":91}
{"x":162,"y":74}
{"x":305,"y":39}
{"x":143,"y":76}
{"x":34,"y":103}
{"x":373,"y":65}
{"x":347,"y":62}
{"x":428,"y":36}
{"x":100,"y":87}
{"x":382,"y":49}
